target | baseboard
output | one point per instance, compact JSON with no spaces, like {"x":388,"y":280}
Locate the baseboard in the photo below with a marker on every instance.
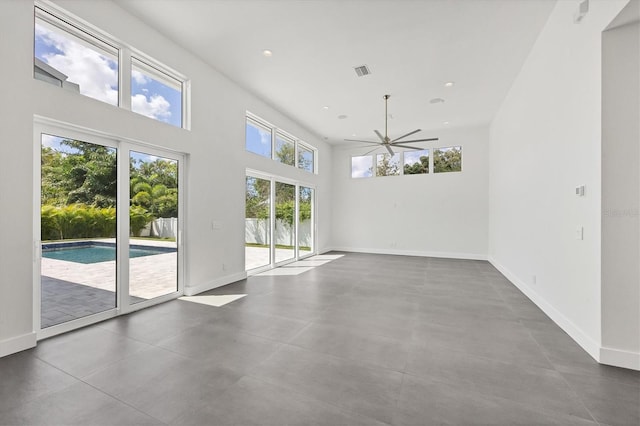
{"x":399,"y":252}
{"x":219,"y":282}
{"x":620,"y":358}
{"x":326,"y":250}
{"x":17,"y":344}
{"x":586,"y":342}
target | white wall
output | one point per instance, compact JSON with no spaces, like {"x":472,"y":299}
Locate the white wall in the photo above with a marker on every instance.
{"x":16,"y":180}
{"x":545,"y":141}
{"x":215,"y":148}
{"x":437,"y":214}
{"x":621,"y":194}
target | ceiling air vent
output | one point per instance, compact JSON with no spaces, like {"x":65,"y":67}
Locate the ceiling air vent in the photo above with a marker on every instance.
{"x":362,"y":70}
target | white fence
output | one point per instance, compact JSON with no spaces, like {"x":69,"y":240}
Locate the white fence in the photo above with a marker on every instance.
{"x":256,"y":232}
{"x":165,"y":227}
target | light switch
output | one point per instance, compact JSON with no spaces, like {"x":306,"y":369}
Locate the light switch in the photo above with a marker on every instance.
{"x":579,"y":233}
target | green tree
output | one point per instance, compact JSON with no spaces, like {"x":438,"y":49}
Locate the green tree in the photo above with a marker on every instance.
{"x":154,"y":186}
{"x":419,"y":167}
{"x":447,"y":160}
{"x":388,"y":165}
{"x":257,"y":196}
{"x":286,"y":153}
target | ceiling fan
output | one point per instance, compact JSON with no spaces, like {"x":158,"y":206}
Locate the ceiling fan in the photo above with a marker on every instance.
{"x":389,"y":143}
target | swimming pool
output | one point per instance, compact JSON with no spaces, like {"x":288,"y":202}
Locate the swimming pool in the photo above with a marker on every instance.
{"x":94,"y":252}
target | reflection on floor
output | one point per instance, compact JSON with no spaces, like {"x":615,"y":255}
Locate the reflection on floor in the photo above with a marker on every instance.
{"x":362,"y":340}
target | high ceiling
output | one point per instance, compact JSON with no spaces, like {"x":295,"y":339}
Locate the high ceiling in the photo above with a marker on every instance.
{"x":411,"y":47}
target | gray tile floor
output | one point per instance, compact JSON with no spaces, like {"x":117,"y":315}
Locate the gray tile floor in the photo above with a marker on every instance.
{"x":362,"y":340}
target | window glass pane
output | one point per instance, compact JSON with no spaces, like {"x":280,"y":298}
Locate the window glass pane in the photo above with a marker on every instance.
{"x":305,"y":221}
{"x":416,"y":162}
{"x":305,"y":158}
{"x":153,"y":222}
{"x":285,"y":231}
{"x":362,"y":166}
{"x":388,"y":165}
{"x":258,"y":139}
{"x":285,"y":150}
{"x":75,"y":61}
{"x":257,"y":223}
{"x":155,"y":94}
{"x":447,"y":159}
{"x":79,"y":182}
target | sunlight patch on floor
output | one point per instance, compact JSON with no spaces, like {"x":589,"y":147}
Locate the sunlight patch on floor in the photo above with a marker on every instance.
{"x":217,"y":300}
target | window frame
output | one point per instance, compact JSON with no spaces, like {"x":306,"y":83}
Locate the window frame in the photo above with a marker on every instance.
{"x":431,"y":152}
{"x":260,"y":126}
{"x":447,"y":148}
{"x":278,"y":132}
{"x":59,"y":18}
{"x":429,"y":155}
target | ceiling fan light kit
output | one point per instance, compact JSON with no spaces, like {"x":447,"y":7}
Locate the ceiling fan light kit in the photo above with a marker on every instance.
{"x":389,"y":143}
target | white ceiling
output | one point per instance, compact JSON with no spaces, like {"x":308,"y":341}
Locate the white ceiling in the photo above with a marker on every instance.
{"x":411,"y":47}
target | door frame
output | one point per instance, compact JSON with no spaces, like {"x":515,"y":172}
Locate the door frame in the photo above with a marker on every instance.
{"x":272,"y":178}
{"x":123,"y":146}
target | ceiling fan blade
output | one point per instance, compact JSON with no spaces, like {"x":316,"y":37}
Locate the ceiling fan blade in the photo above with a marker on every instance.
{"x":408,"y":147}
{"x":380,"y":136}
{"x":420,"y":140}
{"x":389,"y":149}
{"x":358,"y":140}
{"x":373,"y":144}
{"x":408,"y":134}
{"x":374,"y":149}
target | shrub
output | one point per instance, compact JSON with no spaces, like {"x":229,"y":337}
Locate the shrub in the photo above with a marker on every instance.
{"x":80,"y":221}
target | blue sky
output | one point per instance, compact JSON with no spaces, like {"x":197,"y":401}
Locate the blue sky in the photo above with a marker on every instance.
{"x":96,"y":72}
{"x":412,"y":157}
{"x":258,"y":140}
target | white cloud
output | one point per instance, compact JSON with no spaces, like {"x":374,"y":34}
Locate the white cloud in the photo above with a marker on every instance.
{"x":91,"y":70}
{"x":265,"y":138}
{"x":361,"y":166}
{"x":139,"y":77}
{"x":155,"y":107}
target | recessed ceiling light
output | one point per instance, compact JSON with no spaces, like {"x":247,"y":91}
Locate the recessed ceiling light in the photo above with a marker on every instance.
{"x":353,"y":134}
{"x":446,"y":123}
{"x":325,"y":107}
{"x":436,"y":101}
{"x":267,"y":53}
{"x":342,"y":117}
{"x":449,"y":84}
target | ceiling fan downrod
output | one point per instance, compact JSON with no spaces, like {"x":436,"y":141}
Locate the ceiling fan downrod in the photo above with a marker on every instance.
{"x":386,"y":116}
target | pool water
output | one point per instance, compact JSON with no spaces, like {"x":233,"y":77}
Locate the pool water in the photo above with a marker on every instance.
{"x":94,"y":254}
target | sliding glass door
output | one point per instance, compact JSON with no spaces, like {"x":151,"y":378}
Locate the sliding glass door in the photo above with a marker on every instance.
{"x":285,"y":225}
{"x":257,"y":232}
{"x":109,"y":226}
{"x":279,"y":222}
{"x":78,"y":215}
{"x":306,"y":221}
{"x":153,"y":226}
